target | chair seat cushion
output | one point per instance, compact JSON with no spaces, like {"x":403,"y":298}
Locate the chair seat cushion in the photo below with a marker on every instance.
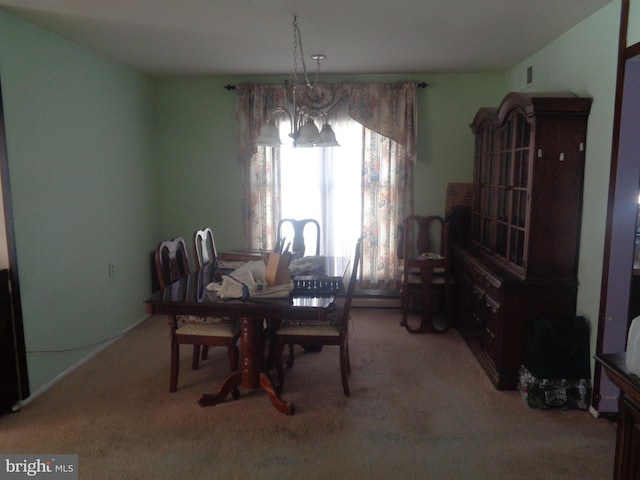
{"x":229,"y":329}
{"x":334,"y":315}
{"x":197,"y":319}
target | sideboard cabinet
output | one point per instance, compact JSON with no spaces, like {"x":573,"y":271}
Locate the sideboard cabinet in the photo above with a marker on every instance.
{"x":521,"y":263}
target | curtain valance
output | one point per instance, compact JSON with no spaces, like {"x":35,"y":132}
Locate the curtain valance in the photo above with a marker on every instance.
{"x":389,"y":109}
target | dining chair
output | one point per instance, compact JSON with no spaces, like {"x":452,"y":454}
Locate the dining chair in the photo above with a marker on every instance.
{"x":204,"y":252}
{"x":204,"y":247}
{"x":172,"y":264}
{"x":424,"y":255}
{"x":331,"y":329}
{"x":290,"y":235}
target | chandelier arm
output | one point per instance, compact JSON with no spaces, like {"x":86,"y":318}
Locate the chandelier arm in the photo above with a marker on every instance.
{"x":302,"y":112}
{"x":308,"y":112}
{"x":281,"y":110}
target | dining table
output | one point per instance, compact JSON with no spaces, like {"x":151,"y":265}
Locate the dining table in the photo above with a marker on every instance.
{"x":311,"y":296}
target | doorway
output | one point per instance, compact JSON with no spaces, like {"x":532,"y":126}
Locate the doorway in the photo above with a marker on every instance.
{"x":618,"y":278}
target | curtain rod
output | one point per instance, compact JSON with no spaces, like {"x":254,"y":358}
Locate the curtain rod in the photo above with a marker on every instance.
{"x":419,"y":85}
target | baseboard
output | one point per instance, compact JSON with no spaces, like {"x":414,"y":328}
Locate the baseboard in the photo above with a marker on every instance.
{"x":375,"y":303}
{"x":376,"y":299}
{"x":24,"y":402}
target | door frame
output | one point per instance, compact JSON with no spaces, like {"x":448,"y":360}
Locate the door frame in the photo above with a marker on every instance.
{"x":21,"y":354}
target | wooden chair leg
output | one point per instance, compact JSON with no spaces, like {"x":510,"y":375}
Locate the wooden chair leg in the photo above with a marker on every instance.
{"x":344,"y":369}
{"x":175,"y":362}
{"x":291,"y":357}
{"x":448,"y":301}
{"x":278,"y":350}
{"x":404,"y":305}
{"x":195,"y":360}
{"x":233,"y":355}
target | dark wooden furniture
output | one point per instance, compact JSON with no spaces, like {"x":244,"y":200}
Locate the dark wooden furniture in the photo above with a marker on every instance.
{"x":331,"y":329}
{"x":627,"y":461}
{"x":9,"y":373}
{"x":292,"y":231}
{"x":14,"y":375}
{"x":425,"y":267}
{"x":521,"y":263}
{"x":189,"y":296}
{"x":172,"y":264}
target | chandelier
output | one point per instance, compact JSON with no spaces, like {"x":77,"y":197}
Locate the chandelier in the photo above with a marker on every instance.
{"x":304,"y":131}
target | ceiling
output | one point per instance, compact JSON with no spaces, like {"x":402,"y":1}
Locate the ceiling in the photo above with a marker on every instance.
{"x":246,"y":37}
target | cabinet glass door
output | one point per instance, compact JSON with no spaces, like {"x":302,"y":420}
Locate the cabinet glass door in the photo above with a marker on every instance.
{"x":513,"y":189}
{"x":484,"y":187}
{"x":503,"y":191}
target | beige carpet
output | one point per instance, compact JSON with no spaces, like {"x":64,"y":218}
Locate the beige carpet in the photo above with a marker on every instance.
{"x":420,"y":408}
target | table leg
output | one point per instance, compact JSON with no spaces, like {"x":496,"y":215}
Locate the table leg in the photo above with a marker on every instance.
{"x":267,"y":385}
{"x":230,"y":384}
{"x":252,"y":373}
{"x":252,"y":346}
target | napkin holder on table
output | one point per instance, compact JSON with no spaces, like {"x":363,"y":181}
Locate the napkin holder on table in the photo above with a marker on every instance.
{"x":277,"y":272}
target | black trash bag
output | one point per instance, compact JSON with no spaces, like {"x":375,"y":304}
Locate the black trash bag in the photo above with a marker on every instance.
{"x":559,"y":348}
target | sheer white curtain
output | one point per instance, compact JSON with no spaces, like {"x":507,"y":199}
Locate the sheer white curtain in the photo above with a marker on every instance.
{"x":326,"y":184}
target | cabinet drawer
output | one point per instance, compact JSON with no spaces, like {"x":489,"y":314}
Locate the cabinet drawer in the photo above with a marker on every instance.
{"x":485,"y":281}
{"x":478,"y":274}
{"x":492,"y":330}
{"x":493,"y":286}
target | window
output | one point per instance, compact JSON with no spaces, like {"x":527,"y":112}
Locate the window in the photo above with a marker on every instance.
{"x":326,"y":184}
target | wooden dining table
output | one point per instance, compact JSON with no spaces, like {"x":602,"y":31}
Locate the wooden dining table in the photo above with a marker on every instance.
{"x":190,"y":296}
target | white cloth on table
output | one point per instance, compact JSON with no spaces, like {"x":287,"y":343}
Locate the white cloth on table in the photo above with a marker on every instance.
{"x":300,"y":266}
{"x":248,"y":281}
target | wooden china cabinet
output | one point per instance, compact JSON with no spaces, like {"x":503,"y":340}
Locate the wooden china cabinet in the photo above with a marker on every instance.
{"x":521,"y":263}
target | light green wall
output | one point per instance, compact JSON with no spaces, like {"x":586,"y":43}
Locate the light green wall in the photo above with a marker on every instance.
{"x":200,"y":176}
{"x":633,"y":32}
{"x":445,"y":141}
{"x":78,"y":133}
{"x":584,"y":61}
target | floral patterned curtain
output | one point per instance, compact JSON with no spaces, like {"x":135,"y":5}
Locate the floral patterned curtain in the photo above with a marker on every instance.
{"x":387,"y":198}
{"x":261,"y":199}
{"x":389,"y":113}
{"x":260,"y":166}
{"x":389,"y":109}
